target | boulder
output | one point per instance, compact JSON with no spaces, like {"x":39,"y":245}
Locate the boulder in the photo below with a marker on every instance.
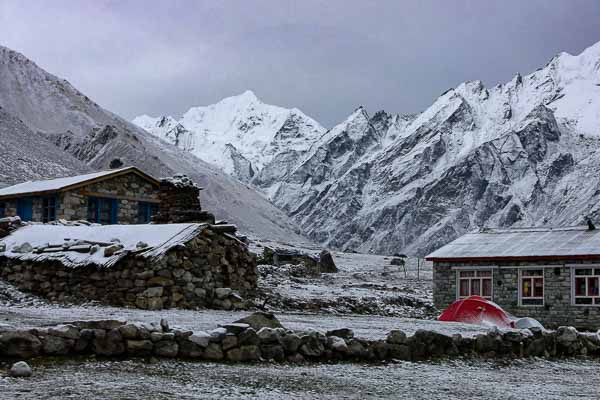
{"x":272,"y":352}
{"x":20,"y":370}
{"x":229,"y":341}
{"x":337,"y":344}
{"x":112,"y":249}
{"x":396,"y":337}
{"x":235,"y":328}
{"x":129,"y":331}
{"x":200,"y":338}
{"x":249,"y":337}
{"x":64,"y":331}
{"x":261,"y":319}
{"x":213,"y":352}
{"x":21,"y":344}
{"x":139,"y":347}
{"x":56,"y":345}
{"x":268,"y":335}
{"x":22,"y":248}
{"x":566,"y":335}
{"x":110,"y":344}
{"x":326,"y":263}
{"x":222,"y":293}
{"x":166,"y":348}
{"x":311,"y":346}
{"x":345,"y":333}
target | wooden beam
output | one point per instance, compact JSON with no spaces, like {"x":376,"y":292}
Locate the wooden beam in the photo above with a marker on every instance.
{"x":118,"y":197}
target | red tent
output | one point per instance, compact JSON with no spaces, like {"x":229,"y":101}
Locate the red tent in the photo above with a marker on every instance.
{"x":477,"y":310}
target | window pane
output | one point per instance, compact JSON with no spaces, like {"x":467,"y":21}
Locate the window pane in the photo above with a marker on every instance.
{"x":592,"y":287}
{"x":526,"y":288}
{"x":464,"y":288}
{"x":583,"y":300}
{"x":484,"y":273}
{"x":486,"y":289}
{"x":465,"y":274}
{"x":579,"y":286}
{"x":538,"y":287}
{"x":475,"y":287}
{"x":583,"y":272}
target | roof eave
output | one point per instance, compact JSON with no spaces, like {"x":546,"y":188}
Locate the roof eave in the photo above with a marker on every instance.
{"x":515,"y":258}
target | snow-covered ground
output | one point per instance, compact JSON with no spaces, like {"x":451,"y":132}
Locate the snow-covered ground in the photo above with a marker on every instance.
{"x":454,"y":380}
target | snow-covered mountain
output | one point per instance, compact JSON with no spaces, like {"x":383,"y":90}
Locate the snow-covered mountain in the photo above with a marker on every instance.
{"x":523,"y":153}
{"x":526,"y":152}
{"x":44,"y":115}
{"x":239,"y":134}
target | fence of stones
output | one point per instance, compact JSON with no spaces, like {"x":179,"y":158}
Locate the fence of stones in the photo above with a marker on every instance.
{"x":253,"y":341}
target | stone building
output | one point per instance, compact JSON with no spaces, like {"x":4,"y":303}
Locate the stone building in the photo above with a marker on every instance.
{"x":146,"y":266}
{"x":119,"y":196}
{"x":552,"y":275}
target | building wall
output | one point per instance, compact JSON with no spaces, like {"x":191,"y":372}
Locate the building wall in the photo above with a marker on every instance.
{"x":73,"y":205}
{"x":186,"y":277}
{"x":558,"y":308}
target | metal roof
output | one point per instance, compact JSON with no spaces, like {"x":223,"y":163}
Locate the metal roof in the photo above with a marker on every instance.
{"x":525,"y":243}
{"x":53,"y":185}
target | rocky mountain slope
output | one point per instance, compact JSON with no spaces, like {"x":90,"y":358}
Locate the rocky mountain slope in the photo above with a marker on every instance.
{"x":522,"y":153}
{"x":239,"y":134}
{"x":87,"y":136}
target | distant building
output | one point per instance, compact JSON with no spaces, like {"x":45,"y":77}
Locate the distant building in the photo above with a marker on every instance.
{"x":119,"y":196}
{"x":552,"y":275}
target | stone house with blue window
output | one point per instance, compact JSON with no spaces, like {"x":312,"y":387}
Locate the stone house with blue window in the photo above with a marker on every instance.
{"x":119,"y":196}
{"x":550,"y":274}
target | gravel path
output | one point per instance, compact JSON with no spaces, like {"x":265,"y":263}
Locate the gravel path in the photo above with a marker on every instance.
{"x":531,"y":379}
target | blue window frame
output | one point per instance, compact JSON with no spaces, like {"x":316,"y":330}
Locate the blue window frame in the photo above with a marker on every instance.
{"x":103,"y":210}
{"x":146,"y":211}
{"x":25,"y":208}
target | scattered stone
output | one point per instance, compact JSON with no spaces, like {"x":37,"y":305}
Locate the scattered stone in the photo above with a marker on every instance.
{"x":22,"y":248}
{"x":112,"y":249}
{"x":20,"y":370}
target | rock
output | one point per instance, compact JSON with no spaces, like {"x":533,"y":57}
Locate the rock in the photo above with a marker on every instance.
{"x":2,"y":247}
{"x":64,"y":331}
{"x":326,"y":263}
{"x":112,"y":249}
{"x":190,"y":349}
{"x":141,"y":245}
{"x":20,"y":370}
{"x":217,"y":335}
{"x":291,"y":343}
{"x":129,"y":331}
{"x":139,"y":347}
{"x":164,"y":324}
{"x":260,"y":320}
{"x":22,"y":248}
{"x":20,"y":344}
{"x":566,"y":335}
{"x":166,"y":348}
{"x":213,"y":352}
{"x":160,"y":281}
{"x":268,"y":335}
{"x":222,"y":293}
{"x":249,"y":337}
{"x":235,"y":328}
{"x":111,"y":344}
{"x":230,"y":341}
{"x":56,"y":345}
{"x":345,"y":333}
{"x":250,"y":353}
{"x":296,"y":358}
{"x":272,"y":352}
{"x":337,"y":344}
{"x":399,"y":351}
{"x":396,"y":337}
{"x":311,"y":346}
{"x":357,"y":349}
{"x":200,"y":338}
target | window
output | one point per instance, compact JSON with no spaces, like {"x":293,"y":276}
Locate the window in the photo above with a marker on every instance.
{"x":2,"y":210}
{"x":102,"y":211}
{"x":49,"y":205}
{"x":531,"y":287}
{"x":475,"y":283}
{"x":146,"y":211}
{"x":586,"y":284}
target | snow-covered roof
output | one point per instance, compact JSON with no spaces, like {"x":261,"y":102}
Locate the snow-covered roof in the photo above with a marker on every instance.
{"x":158,"y":238}
{"x":526,"y":243}
{"x":52,"y":185}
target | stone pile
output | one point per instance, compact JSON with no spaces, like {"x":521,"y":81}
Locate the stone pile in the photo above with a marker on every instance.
{"x":212,"y":270}
{"x":242,"y":342}
{"x":323,"y":263}
{"x":9,"y":224}
{"x":180,"y":202}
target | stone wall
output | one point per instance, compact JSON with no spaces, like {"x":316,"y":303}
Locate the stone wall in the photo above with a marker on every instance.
{"x":180,"y":202}
{"x":558,"y":308}
{"x":212,"y":270}
{"x":244,"y":342}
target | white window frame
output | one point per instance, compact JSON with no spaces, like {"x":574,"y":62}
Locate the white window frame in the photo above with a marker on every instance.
{"x":476,"y":270}
{"x":574,"y":297}
{"x":520,"y":283}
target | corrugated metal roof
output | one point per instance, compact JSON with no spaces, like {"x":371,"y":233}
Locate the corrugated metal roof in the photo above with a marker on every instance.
{"x":522,"y":243}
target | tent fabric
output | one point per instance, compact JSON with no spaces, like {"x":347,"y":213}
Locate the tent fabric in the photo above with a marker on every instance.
{"x":477,"y":310}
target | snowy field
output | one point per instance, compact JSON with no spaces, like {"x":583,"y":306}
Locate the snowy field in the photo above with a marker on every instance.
{"x":453,"y":380}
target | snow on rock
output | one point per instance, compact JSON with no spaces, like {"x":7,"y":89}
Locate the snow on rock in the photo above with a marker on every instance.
{"x":237,"y":129}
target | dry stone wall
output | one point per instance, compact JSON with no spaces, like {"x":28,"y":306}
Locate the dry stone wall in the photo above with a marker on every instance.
{"x":212,"y":270}
{"x":242,"y":342}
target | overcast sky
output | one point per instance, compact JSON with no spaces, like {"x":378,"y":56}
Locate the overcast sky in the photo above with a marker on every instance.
{"x":324,"y":57}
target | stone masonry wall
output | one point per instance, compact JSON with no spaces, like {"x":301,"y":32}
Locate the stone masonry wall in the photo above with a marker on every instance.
{"x":206,"y":272}
{"x":557,"y":309}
